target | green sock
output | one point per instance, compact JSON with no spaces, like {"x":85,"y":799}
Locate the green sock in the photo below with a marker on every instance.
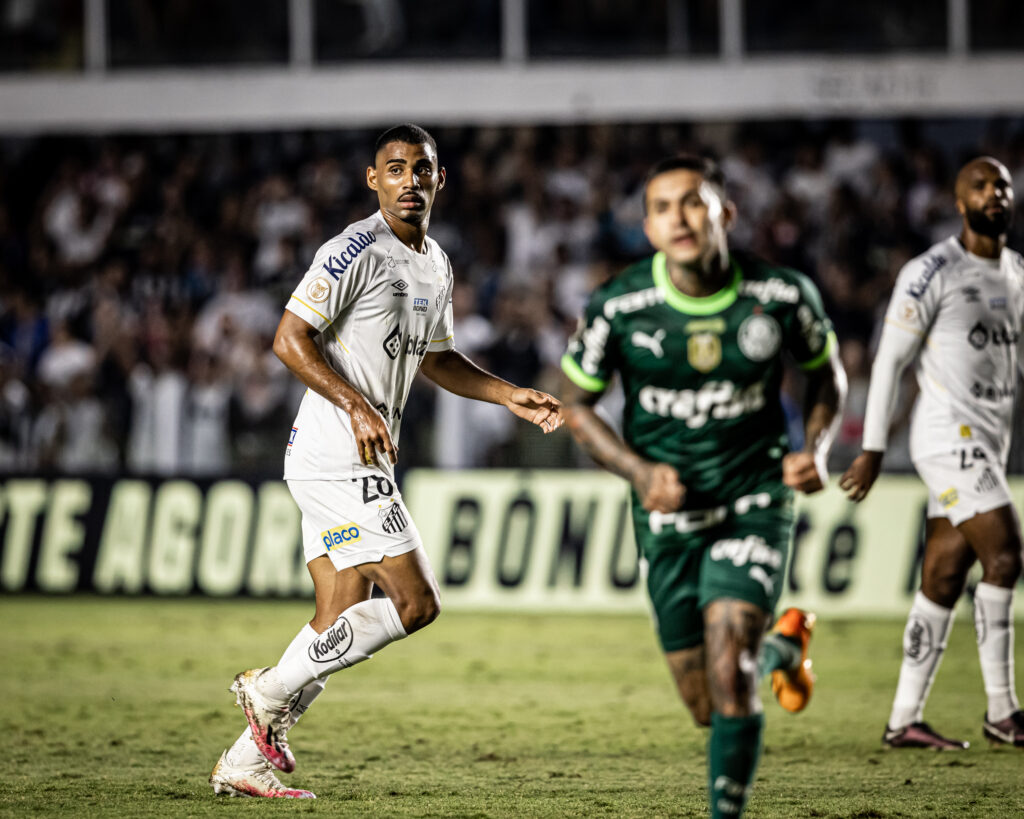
{"x":777,"y":652}
{"x":733,"y":750}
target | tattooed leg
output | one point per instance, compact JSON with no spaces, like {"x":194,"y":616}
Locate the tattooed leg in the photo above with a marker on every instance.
{"x":689,"y":670}
{"x":732,"y":634}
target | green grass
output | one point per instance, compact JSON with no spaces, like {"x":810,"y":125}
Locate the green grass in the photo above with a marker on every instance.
{"x":120,"y":708}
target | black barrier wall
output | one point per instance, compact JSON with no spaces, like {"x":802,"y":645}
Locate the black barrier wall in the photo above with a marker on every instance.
{"x":139,"y":536}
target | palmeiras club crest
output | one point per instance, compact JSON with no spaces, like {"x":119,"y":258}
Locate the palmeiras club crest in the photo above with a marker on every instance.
{"x":759,"y":337}
{"x":704,"y":351}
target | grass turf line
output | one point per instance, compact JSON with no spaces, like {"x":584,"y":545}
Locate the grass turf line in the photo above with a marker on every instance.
{"x":119,"y":708}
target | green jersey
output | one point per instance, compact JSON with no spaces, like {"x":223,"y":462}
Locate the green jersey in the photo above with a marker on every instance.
{"x":701,"y":376}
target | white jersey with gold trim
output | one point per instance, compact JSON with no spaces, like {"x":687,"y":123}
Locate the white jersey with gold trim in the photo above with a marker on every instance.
{"x":379,"y":307}
{"x":961,"y":315}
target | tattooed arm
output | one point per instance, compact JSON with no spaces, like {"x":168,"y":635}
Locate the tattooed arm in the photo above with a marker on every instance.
{"x":657,"y":484}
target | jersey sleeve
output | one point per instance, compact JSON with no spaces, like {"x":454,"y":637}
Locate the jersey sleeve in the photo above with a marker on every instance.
{"x":588,"y":361}
{"x":912,"y":308}
{"x":443,"y":337}
{"x":810,"y":339}
{"x":337,"y":275}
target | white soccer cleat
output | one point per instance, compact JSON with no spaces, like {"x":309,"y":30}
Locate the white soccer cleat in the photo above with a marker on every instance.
{"x":259,"y":781}
{"x":269,"y":718}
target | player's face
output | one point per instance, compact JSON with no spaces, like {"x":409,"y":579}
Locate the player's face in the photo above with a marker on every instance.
{"x":985,"y":198}
{"x":406,"y":178}
{"x":687,"y":218}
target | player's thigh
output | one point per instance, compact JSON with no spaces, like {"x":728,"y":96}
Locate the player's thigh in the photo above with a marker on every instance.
{"x":995,"y":537}
{"x":672,"y":572}
{"x":405,"y":578}
{"x":746,"y":558}
{"x":947,"y":559}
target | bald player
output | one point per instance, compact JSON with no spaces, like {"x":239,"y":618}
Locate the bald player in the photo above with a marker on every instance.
{"x":957,"y":311}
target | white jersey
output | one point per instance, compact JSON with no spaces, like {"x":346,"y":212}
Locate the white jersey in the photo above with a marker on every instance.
{"x":379,"y":307}
{"x":961,"y":315}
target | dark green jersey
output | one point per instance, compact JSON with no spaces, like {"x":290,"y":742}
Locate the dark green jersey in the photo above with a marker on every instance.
{"x":701,"y":376}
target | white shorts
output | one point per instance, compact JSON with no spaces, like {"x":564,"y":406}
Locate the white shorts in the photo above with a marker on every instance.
{"x":355,"y":521}
{"x":964,"y":482}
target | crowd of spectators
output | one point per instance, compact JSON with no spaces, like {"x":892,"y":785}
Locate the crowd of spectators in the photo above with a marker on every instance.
{"x":142,"y":277}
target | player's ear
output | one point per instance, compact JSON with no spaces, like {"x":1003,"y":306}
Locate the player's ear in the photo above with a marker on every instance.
{"x":371,"y":177}
{"x":729,"y":214}
{"x":441,"y":177}
{"x":647,"y":230}
{"x":960,"y":207}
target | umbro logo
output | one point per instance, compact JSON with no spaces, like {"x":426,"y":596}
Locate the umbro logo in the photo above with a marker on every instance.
{"x":400,"y":287}
{"x":971,"y":295}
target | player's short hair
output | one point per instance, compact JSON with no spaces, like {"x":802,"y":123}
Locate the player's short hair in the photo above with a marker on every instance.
{"x":408,"y":133}
{"x":705,"y":166}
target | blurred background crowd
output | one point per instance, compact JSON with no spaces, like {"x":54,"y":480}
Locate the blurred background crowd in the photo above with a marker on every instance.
{"x":142,"y":277}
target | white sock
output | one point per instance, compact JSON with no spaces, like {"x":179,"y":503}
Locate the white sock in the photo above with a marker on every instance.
{"x":361,"y":630}
{"x":924,"y":641}
{"x":244,"y":753}
{"x":993,"y":624}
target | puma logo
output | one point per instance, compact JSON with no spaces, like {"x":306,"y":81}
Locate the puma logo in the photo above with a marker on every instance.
{"x":652,"y":343}
{"x":761,"y":576}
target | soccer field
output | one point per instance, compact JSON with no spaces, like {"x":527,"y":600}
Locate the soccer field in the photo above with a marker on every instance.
{"x":120,"y":708}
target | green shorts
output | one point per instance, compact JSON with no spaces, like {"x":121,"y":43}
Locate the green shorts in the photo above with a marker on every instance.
{"x":740,"y":556}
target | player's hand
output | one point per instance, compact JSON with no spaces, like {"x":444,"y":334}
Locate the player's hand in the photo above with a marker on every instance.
{"x":659,"y":488}
{"x":371,"y":433}
{"x":800,"y":472}
{"x":861,"y":476}
{"x":536,"y":407}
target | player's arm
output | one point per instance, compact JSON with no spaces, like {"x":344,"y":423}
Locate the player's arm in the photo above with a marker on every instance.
{"x":452,"y":371}
{"x":657,"y":485}
{"x":295,"y":345}
{"x":824,"y":397}
{"x":896,"y":349}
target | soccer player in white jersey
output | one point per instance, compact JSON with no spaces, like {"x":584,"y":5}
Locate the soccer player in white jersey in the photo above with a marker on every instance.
{"x":958,"y":309}
{"x":373,"y":309}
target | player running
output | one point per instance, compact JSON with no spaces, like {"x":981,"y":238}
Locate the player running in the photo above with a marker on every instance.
{"x":374,"y":307}
{"x":697,"y":335}
{"x":958,"y":309}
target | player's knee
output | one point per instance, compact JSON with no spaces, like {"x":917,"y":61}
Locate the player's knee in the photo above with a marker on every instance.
{"x":1004,"y":567}
{"x":419,"y":611}
{"x":733,"y":689}
{"x":943,"y":587}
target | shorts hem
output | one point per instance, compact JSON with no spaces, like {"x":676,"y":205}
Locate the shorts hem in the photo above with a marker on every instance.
{"x":360,"y":558}
{"x":681,"y":644}
{"x":981,"y":509}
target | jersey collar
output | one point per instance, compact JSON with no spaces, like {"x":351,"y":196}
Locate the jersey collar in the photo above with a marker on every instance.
{"x":694,"y":305}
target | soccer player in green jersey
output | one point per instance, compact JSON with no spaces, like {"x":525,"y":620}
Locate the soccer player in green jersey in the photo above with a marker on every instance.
{"x":697,"y":335}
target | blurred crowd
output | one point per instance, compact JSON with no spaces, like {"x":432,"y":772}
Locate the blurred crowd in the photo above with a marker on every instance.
{"x":142,"y":277}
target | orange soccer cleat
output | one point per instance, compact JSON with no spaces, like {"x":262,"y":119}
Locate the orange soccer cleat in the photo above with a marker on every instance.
{"x":793,"y":687}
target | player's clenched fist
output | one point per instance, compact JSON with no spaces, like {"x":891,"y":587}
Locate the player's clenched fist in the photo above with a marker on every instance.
{"x":800,"y":471}
{"x":659,"y":488}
